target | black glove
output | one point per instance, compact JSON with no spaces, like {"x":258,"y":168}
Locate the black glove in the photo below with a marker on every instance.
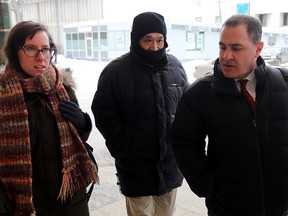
{"x":73,"y":113}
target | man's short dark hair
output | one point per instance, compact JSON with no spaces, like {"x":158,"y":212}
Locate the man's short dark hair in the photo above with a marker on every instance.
{"x":254,"y":26}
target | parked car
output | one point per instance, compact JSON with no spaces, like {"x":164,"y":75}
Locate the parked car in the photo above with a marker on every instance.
{"x":205,"y":67}
{"x":189,"y":67}
{"x":275,"y":55}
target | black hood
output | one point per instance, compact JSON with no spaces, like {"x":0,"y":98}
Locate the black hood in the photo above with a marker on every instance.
{"x":144,"y":24}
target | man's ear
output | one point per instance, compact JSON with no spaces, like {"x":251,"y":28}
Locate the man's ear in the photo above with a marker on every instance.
{"x":259,"y":48}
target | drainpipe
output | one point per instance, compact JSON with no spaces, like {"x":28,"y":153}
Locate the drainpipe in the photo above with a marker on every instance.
{"x":5,"y":23}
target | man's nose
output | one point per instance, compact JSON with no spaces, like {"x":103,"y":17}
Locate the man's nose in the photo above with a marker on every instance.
{"x":228,"y":54}
{"x":154,"y":46}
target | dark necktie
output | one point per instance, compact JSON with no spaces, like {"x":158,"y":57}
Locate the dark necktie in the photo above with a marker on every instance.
{"x":246,"y":94}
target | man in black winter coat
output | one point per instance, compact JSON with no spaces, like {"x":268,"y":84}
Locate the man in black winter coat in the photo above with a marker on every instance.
{"x":245,"y":169}
{"x":134,"y":107}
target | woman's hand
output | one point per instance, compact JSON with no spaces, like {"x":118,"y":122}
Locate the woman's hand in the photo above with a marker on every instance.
{"x":72,"y":112}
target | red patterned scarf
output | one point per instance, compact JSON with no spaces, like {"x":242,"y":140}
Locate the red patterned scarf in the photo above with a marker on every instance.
{"x":15,"y":158}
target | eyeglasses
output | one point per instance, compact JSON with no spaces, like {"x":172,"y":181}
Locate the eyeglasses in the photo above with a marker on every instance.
{"x":33,"y":52}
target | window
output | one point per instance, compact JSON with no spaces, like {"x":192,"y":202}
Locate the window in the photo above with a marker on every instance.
{"x":218,"y":19}
{"x":285,"y":19}
{"x":190,"y":41}
{"x":68,"y":42}
{"x":263,"y":19}
{"x":88,"y":34}
{"x":198,"y":19}
{"x":272,"y":40}
{"x":103,"y":40}
{"x":81,"y":41}
{"x":75,"y":41}
{"x":95,"y":40}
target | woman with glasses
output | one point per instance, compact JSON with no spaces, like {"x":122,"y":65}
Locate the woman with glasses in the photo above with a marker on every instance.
{"x":44,"y":165}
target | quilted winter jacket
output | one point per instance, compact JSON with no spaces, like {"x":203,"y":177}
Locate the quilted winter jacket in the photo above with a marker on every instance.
{"x":134,"y":107}
{"x":245,"y":169}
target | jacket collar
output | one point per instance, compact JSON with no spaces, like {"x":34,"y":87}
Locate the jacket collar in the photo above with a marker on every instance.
{"x":222,"y":84}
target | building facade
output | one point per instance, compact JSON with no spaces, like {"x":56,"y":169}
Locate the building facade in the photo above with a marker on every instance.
{"x":56,"y":13}
{"x":81,"y":28}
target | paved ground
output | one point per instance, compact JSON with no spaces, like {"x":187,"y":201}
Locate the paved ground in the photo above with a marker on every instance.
{"x":106,"y":200}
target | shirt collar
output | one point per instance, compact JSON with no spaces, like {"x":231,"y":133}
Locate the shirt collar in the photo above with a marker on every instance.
{"x":250,"y":77}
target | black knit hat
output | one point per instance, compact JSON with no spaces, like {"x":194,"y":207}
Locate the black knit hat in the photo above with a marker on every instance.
{"x":145,"y":23}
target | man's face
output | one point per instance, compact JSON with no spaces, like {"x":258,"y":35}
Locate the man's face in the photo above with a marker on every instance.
{"x":237,"y":53}
{"x":152,"y":42}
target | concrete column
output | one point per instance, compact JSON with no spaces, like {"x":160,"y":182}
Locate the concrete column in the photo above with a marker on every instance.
{"x":5,"y":22}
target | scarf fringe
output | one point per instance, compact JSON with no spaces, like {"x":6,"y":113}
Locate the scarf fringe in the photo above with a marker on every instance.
{"x":70,"y":185}
{"x":95,"y":177}
{"x":66,"y":187}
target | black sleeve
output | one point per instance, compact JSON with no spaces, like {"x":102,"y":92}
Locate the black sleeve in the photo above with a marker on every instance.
{"x":106,"y":112}
{"x":188,"y":141}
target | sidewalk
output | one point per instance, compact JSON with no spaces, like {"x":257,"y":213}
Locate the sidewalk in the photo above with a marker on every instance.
{"x":106,"y":200}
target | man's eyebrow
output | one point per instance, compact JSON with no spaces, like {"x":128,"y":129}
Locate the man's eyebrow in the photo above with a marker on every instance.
{"x":231,"y":45}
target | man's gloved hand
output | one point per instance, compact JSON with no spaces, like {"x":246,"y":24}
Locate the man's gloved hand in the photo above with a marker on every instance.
{"x":73,"y":113}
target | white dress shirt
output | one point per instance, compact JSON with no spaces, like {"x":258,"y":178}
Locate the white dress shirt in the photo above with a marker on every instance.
{"x":250,"y":86}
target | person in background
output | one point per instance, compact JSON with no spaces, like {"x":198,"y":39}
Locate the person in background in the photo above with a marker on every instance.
{"x":244,"y":170}
{"x":134,"y":107}
{"x":44,"y":166}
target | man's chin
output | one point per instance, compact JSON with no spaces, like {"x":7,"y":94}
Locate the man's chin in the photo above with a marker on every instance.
{"x":230,"y":74}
